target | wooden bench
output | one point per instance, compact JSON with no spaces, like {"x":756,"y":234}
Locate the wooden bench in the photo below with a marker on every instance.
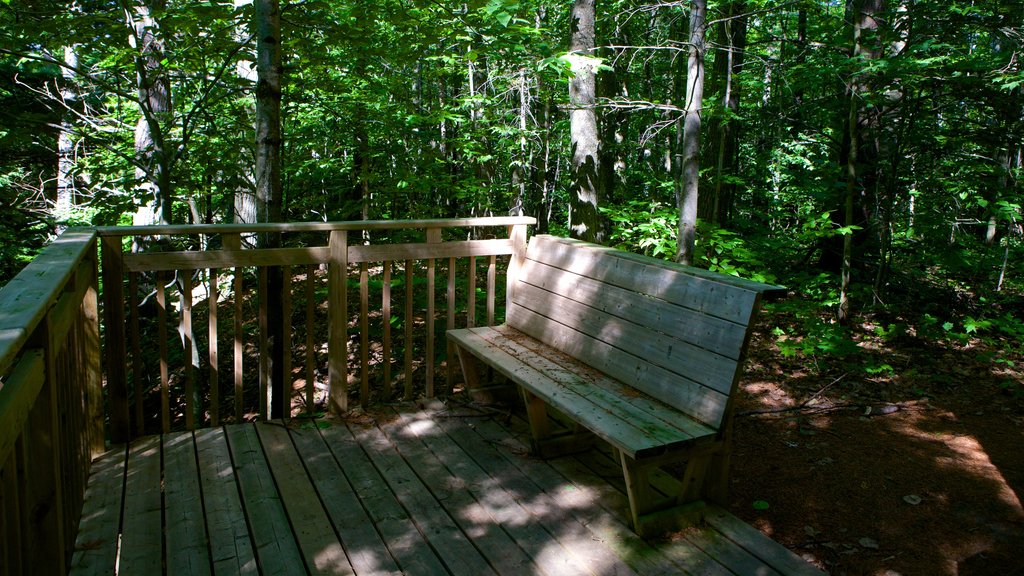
{"x":642,"y":353}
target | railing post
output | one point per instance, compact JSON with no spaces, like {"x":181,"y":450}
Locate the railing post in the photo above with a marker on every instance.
{"x":116,"y":352}
{"x":45,"y":497}
{"x":516,"y":233}
{"x":433,"y":237}
{"x":91,"y":355}
{"x":337,"y":345}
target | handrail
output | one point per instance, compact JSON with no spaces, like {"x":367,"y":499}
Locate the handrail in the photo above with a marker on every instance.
{"x":53,"y":394}
{"x":25,"y":300}
{"x":133,"y":386}
{"x":51,"y":402}
{"x":356,"y":225}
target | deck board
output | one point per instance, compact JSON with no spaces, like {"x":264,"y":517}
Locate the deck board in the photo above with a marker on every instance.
{"x":414,"y":492}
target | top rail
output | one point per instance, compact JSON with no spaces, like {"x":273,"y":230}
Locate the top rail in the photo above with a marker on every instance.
{"x":26,"y":299}
{"x":370,"y":225}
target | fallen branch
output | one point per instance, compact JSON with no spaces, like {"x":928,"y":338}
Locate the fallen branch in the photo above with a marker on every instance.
{"x":870,"y":409}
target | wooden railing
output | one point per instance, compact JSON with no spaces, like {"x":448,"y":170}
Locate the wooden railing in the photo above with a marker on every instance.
{"x":51,"y":403}
{"x":356,"y":327}
{"x":351,"y":294}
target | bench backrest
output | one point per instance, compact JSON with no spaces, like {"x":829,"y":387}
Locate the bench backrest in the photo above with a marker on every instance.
{"x":676,"y":333}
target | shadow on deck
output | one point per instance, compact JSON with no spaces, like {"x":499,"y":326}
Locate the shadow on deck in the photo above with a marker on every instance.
{"x":447,"y":491}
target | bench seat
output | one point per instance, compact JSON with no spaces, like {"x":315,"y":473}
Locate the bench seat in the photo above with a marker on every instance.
{"x":631,"y":421}
{"x":641,"y":353}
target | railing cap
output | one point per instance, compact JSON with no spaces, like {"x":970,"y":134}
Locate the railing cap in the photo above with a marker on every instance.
{"x":180,"y":229}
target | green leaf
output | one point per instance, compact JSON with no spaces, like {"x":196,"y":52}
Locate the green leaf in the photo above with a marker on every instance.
{"x":760,"y":504}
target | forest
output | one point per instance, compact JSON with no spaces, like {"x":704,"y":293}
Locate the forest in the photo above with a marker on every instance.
{"x":863,"y":153}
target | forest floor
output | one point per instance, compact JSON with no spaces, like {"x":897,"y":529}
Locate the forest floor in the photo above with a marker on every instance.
{"x":916,"y":472}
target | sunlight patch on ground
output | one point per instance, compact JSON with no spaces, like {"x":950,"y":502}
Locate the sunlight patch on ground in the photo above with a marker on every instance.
{"x":966,"y":453}
{"x":770,"y":395}
{"x":419,"y":427}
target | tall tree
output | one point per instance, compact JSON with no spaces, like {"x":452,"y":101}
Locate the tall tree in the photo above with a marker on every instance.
{"x":585,"y":220}
{"x":66,"y":142}
{"x":862,"y":20}
{"x":687,"y":158}
{"x":269,"y":193}
{"x":152,"y":150}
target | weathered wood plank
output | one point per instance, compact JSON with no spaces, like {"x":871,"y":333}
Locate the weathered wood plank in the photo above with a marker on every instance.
{"x":757,"y":544}
{"x":462,"y":490}
{"x":724,"y":296}
{"x":263,"y":343}
{"x":187,"y":338}
{"x":194,"y":229}
{"x":213,"y":348}
{"x":471,"y":293}
{"x":114,"y":337}
{"x":276,"y":549}
{"x":17,"y":396}
{"x":286,"y":338}
{"x":433,"y":237}
{"x":536,"y":310}
{"x":310,"y":339}
{"x":454,"y":548}
{"x":337,"y":304}
{"x":408,"y":322}
{"x":491,"y":275}
{"x":313,"y":530}
{"x":609,"y":415}
{"x":598,"y":388}
{"x":27,"y":297}
{"x":386,"y":313}
{"x":424,"y":251}
{"x":188,"y":552}
{"x":366,"y":550}
{"x":566,"y":296}
{"x":136,"y":347}
{"x":691,"y":398}
{"x":96,"y":545}
{"x":398,"y":530}
{"x":234,"y":242}
{"x":161,"y":321}
{"x":364,"y":335}
{"x":142,"y":526}
{"x":574,"y":500}
{"x":230,"y":546}
{"x":558,"y":543}
{"x":604,"y":476}
{"x":450,"y":312}
{"x":198,"y":259}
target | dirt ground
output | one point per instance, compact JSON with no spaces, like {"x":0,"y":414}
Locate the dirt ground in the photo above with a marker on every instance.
{"x":920,"y":472}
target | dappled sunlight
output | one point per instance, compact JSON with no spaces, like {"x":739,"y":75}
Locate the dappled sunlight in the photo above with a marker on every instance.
{"x":770,"y":395}
{"x":965,"y":454}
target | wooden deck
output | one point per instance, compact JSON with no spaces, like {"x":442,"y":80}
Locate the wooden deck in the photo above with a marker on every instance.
{"x":416,"y":492}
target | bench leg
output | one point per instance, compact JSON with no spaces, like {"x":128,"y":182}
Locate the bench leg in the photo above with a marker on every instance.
{"x":547,"y":444}
{"x":471,"y":373}
{"x":652,"y":515}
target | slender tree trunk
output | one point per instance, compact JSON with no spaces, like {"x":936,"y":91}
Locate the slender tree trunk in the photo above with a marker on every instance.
{"x":723,"y":152}
{"x":863,"y":18}
{"x":151,"y":150}
{"x":244,"y":201}
{"x":269,"y":192}
{"x":66,"y":144}
{"x":585,"y":220}
{"x":688,"y":136}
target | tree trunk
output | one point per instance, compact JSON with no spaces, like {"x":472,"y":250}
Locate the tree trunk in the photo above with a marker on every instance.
{"x":66,"y":144}
{"x":723,"y":152}
{"x":151,"y":150}
{"x":269,"y":193}
{"x":688,"y":137}
{"x":863,"y":18}
{"x":585,"y":220}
